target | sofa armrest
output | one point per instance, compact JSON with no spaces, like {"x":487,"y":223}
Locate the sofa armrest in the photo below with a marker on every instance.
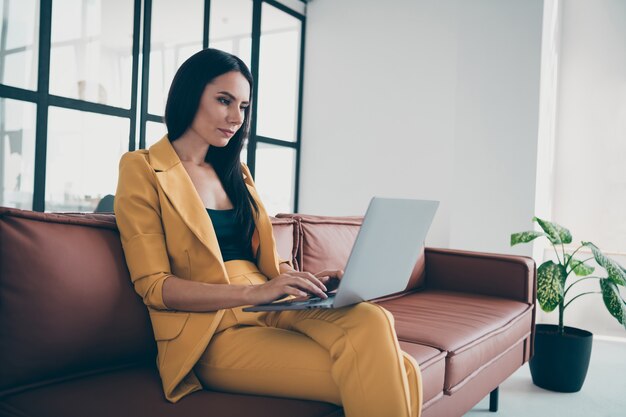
{"x":507,"y":276}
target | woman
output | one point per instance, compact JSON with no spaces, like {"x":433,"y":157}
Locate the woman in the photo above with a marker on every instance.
{"x":199,"y":247}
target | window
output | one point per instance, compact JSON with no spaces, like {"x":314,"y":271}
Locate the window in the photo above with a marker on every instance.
{"x":275,"y":176}
{"x":91,"y":51}
{"x":80,"y":78}
{"x":279,"y":69}
{"x":230,"y":27}
{"x":84,"y":149}
{"x":18,"y":43}
{"x":17,"y":154}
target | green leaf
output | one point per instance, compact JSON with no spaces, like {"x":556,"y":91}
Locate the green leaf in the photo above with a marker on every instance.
{"x":613,"y":300}
{"x":556,"y":233}
{"x":579,"y":267}
{"x":550,"y":283}
{"x":616,"y":272}
{"x":525,"y":237}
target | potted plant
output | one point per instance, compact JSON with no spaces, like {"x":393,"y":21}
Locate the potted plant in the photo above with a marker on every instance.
{"x":562,"y":353}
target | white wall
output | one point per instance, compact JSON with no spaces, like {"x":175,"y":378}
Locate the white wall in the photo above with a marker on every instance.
{"x":590,"y":165}
{"x":589,"y":184}
{"x":550,"y":51}
{"x":424,"y":99}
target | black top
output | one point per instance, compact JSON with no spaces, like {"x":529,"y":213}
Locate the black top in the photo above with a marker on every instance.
{"x":229,"y":235}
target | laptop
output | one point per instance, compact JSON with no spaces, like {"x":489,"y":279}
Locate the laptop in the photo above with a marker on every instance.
{"x":383,"y":256}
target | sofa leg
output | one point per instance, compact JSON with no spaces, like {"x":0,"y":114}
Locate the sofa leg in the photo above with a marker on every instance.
{"x":493,"y":400}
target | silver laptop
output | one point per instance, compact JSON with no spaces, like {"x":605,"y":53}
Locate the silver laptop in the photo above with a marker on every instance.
{"x":383,"y":256}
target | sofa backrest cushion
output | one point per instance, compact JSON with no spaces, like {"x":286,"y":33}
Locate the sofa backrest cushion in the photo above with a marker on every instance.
{"x":326,"y":242}
{"x":67,"y":305}
{"x":286,"y":234}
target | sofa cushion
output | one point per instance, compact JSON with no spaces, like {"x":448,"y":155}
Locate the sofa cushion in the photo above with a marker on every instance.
{"x":432,"y":367}
{"x":67,"y":306}
{"x":473,"y":329}
{"x":326,"y":243}
{"x":137,"y":392}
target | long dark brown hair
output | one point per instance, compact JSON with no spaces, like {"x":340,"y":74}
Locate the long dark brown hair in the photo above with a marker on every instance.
{"x":182,"y":105}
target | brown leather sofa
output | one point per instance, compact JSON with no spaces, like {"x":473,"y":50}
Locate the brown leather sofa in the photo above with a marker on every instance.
{"x":75,"y":339}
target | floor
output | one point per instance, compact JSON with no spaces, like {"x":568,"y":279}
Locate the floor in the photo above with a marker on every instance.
{"x":603,"y":395}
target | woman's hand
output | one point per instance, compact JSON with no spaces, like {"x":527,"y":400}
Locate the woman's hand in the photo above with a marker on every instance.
{"x":298,"y":284}
{"x":330,"y":278}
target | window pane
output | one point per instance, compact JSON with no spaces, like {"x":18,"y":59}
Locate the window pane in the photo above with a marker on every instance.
{"x":230,"y":27}
{"x":171,"y":44}
{"x":243,"y":156}
{"x":154,"y":133}
{"x":275,"y":177}
{"x":298,"y":6}
{"x":91,"y":50}
{"x":17,"y":153}
{"x":279,"y":69}
{"x":18,"y":43}
{"x":84,"y":150}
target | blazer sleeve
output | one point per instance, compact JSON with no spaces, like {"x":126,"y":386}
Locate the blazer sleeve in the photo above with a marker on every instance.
{"x":248,"y":179}
{"x":138,"y":217}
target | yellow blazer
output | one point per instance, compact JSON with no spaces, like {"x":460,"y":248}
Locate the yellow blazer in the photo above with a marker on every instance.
{"x":165,"y":230}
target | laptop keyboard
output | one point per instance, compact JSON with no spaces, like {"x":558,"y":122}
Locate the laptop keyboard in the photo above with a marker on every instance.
{"x":312,"y":300}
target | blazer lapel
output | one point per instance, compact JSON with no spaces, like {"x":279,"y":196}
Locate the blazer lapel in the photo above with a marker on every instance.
{"x":263,"y":244}
{"x":182,"y":194}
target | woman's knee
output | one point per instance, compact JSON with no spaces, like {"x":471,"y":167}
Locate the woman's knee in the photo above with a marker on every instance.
{"x":373,"y":315}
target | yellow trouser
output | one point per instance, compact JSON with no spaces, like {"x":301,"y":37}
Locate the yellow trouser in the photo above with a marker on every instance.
{"x":348,"y":356}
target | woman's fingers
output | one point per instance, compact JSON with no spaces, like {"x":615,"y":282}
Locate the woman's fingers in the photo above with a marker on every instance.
{"x":307,"y":276}
{"x":313,"y":286}
{"x":330,"y":278}
{"x":295,"y":291}
{"x":330,"y":273}
{"x":311,"y":283}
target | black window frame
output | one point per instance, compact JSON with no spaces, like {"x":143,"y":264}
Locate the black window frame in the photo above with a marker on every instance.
{"x":138,"y":109}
